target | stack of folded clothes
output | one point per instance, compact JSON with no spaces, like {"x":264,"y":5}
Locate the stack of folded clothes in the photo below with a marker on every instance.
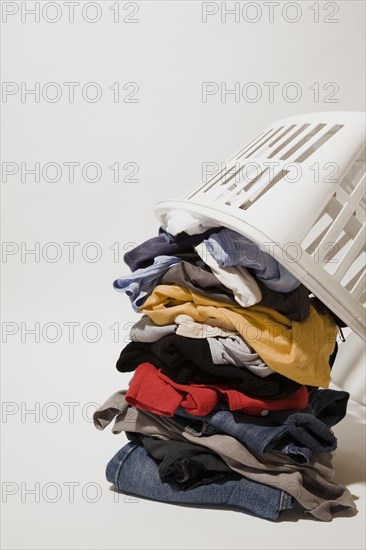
{"x":228,"y":402}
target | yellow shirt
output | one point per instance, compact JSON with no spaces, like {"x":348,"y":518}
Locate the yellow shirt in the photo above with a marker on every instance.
{"x":299,"y":351}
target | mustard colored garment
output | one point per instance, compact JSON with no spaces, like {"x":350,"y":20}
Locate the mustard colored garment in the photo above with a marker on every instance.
{"x":299,"y":351}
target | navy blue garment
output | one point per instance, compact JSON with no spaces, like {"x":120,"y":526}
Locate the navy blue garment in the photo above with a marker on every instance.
{"x":132,"y":471}
{"x":328,"y":406}
{"x":164,"y":244}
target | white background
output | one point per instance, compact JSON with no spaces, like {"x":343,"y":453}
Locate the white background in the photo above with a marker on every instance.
{"x":168,"y":52}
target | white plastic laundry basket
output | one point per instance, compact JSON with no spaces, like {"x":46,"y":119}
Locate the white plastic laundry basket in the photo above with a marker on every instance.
{"x":298,"y":191}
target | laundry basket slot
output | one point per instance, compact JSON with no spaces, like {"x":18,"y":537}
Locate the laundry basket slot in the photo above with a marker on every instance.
{"x":298,"y":191}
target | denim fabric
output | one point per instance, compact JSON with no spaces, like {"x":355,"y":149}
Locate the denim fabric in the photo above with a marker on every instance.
{"x":140,"y":284}
{"x":311,"y":485}
{"x":298,"y":438}
{"x":132,"y":471}
{"x":229,"y":248}
{"x":298,"y":435}
{"x":295,"y":434}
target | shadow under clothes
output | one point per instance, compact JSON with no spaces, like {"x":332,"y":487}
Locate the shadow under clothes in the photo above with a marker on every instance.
{"x":349,"y":459}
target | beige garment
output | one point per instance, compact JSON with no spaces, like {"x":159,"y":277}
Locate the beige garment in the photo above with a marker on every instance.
{"x":189,"y":328}
{"x":145,"y":330}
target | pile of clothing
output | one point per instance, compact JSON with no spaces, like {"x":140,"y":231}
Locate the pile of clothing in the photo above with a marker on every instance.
{"x":228,"y":403}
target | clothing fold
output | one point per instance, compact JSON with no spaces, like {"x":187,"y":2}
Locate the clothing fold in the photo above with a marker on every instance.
{"x":150,"y":389}
{"x":299,"y":351}
{"x":133,"y":472}
{"x":228,"y":403}
{"x":311,"y":485}
{"x":187,"y":360}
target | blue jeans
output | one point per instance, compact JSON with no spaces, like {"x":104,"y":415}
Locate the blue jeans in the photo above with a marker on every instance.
{"x":132,"y":471}
{"x":296,"y":434}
